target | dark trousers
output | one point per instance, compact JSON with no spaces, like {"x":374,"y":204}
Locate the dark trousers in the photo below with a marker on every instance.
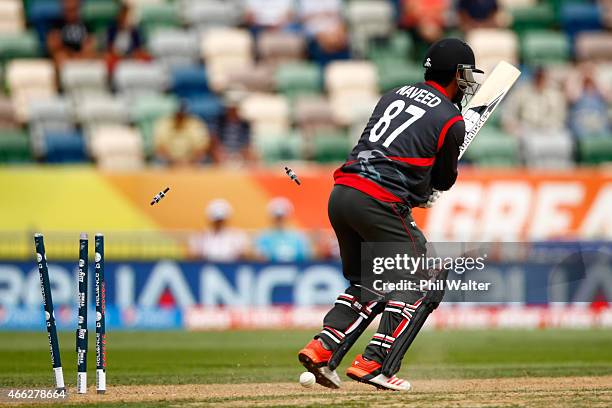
{"x":356,"y":218}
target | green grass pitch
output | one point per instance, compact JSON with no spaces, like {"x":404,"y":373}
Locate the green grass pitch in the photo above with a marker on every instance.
{"x":270,"y":356}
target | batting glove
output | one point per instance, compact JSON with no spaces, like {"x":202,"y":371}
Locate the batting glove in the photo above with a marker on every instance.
{"x":431,"y":200}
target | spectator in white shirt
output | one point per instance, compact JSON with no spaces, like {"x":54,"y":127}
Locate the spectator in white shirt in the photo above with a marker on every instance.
{"x":220,"y":243}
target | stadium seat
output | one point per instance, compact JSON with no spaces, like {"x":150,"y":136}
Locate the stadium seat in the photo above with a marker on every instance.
{"x":155,"y":15}
{"x":294,"y":79}
{"x":330,"y":148}
{"x":144,"y":111}
{"x":281,"y":147}
{"x":347,"y":75}
{"x":14,"y":146}
{"x":368,"y":19}
{"x":536,"y":17}
{"x":552,"y":150}
{"x":82,"y":78}
{"x":64,"y":147}
{"x":28,"y":80}
{"x":510,"y":4}
{"x":576,"y":17}
{"x":493,"y":148}
{"x":267,"y":113}
{"x":397,"y":48}
{"x":18,"y":45}
{"x":29,"y":73}
{"x":395,"y":74}
{"x":313,"y":111}
{"x":545,"y":47}
{"x":117,"y":147}
{"x":276,"y":47}
{"x":492,"y":45}
{"x":353,"y":89}
{"x":188,"y":81}
{"x":204,"y":14}
{"x":174,"y":47}
{"x":43,"y":13}
{"x":102,"y":110}
{"x":133,"y":78}
{"x":594,"y":46}
{"x":98,"y":14}
{"x":49,"y":115}
{"x":258,"y":78}
{"x":596,"y":149}
{"x":224,"y":50}
{"x":11,"y":17}
{"x":152,"y":107}
{"x":208,"y":107}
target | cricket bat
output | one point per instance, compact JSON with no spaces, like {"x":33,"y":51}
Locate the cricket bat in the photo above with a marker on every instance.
{"x":482,"y":105}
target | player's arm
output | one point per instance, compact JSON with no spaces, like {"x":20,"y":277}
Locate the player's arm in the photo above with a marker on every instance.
{"x":444,"y":172}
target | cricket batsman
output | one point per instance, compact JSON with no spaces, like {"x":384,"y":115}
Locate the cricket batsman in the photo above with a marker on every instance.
{"x":406,"y":155}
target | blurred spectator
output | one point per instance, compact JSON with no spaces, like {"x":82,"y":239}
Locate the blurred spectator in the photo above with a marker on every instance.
{"x":233,"y":133}
{"x":479,"y":14}
{"x":269,"y":14}
{"x":325,"y":245}
{"x":425,"y":19}
{"x":182,"y":139}
{"x":124,"y":39}
{"x":535,"y":106}
{"x":220,"y":243}
{"x":325,"y":28}
{"x":588,"y":114}
{"x":70,"y":38}
{"x":281,"y":244}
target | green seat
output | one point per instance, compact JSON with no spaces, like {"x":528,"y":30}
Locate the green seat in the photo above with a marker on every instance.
{"x":275,"y":148}
{"x":595,"y":149}
{"x":331,"y":147}
{"x":146,"y":110}
{"x":14,"y":146}
{"x":493,"y":148}
{"x":19,"y":45}
{"x":154,"y":16}
{"x":395,"y":74}
{"x":540,"y":16}
{"x":151,"y":107}
{"x":398,"y":48}
{"x":296,"y":79}
{"x":98,"y":14}
{"x":545,"y":47}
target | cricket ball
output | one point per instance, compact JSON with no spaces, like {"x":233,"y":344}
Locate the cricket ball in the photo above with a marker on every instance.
{"x":307,"y":379}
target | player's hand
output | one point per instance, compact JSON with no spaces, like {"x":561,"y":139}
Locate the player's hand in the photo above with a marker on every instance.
{"x":432,"y":199}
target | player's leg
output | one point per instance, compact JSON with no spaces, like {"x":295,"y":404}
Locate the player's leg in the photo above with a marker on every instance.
{"x":393,"y":223}
{"x":351,"y":312}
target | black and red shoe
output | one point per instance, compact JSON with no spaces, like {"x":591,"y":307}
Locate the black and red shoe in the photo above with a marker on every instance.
{"x":314,"y":357}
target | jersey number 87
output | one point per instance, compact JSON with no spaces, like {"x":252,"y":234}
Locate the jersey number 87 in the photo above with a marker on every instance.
{"x":392,"y":111}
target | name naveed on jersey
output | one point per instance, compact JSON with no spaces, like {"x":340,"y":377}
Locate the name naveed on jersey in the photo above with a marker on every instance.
{"x":419,"y":95}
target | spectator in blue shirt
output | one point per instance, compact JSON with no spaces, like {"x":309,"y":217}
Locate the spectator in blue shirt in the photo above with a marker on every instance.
{"x":280,"y":243}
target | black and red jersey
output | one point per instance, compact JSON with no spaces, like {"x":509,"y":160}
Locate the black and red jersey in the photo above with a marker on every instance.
{"x":409,"y":146}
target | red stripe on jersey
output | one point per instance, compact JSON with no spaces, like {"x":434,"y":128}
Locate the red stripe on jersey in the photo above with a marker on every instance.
{"x":365,"y":186}
{"x":445,"y":128}
{"x":438,"y":87}
{"x":415,"y":161}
